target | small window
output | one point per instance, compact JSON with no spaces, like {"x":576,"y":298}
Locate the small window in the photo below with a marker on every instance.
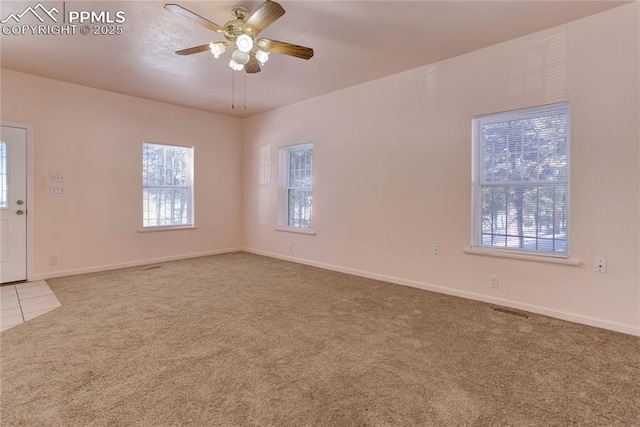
{"x":4,"y":175}
{"x":167,"y":180}
{"x":521,"y":180}
{"x":296,"y":186}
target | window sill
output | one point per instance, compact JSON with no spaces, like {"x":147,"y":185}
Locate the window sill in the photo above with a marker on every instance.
{"x":296,"y":230}
{"x":156,"y":229}
{"x":525,"y":257}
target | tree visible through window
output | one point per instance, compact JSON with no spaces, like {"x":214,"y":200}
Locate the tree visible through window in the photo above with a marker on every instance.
{"x":167,"y":195}
{"x":296,"y":178}
{"x":521,"y":180}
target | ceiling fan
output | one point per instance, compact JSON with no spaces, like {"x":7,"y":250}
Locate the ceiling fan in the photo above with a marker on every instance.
{"x":250,"y":52}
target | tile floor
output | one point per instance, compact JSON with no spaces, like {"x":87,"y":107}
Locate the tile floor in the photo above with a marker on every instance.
{"x":25,"y":301}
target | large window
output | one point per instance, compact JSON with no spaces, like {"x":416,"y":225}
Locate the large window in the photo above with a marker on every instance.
{"x":521,"y":180}
{"x":167,"y":180}
{"x":296,"y":186}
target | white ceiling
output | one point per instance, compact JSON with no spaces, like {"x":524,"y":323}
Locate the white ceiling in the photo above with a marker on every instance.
{"x":353,"y":41}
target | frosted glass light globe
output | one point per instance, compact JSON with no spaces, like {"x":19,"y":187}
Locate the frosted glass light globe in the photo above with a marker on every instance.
{"x":244,"y":43}
{"x":217,"y":49}
{"x":235,"y":66}
{"x":262,"y":56}
{"x":240,"y":57}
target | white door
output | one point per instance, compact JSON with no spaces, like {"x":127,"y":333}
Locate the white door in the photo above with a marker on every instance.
{"x":13,"y":204}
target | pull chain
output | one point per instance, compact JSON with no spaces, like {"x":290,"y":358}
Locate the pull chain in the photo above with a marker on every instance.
{"x":233,"y":89}
{"x":244,"y":101}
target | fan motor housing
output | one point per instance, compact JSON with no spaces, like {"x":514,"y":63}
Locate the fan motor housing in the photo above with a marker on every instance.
{"x":235,"y":27}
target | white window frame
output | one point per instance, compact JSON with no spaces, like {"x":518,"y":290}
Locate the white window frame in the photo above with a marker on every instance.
{"x":4,"y":175}
{"x":284,"y":223}
{"x":528,"y":185}
{"x":189,"y":204}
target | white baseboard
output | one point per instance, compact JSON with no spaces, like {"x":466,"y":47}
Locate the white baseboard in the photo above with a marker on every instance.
{"x":73,"y":272}
{"x":571,"y":317}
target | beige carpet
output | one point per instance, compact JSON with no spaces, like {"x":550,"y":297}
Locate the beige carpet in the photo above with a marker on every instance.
{"x":239,"y":340}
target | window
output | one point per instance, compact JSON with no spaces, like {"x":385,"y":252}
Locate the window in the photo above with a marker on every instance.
{"x":167,"y":180}
{"x":3,"y":175}
{"x":521,"y":180}
{"x":296,"y":186}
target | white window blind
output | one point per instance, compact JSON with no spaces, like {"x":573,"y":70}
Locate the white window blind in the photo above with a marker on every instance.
{"x":296,"y":186}
{"x":521,"y":180}
{"x":167,"y":180}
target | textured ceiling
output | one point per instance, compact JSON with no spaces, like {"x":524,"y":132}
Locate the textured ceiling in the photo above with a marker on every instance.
{"x":354,"y":42}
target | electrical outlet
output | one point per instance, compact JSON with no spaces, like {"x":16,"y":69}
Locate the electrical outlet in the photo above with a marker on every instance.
{"x":53,"y":260}
{"x":57,"y":177}
{"x":601,"y":265}
{"x":289,"y":247}
{"x":493,"y":281}
{"x":56,"y":189}
{"x":436,"y":249}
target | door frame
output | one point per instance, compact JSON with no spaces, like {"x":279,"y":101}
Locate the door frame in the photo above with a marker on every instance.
{"x":30,"y":200}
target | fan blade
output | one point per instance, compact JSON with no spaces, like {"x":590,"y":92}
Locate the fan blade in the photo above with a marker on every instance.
{"x":253,"y":66}
{"x":179,"y":10}
{"x":285,"y":48}
{"x":266,"y":15}
{"x":193,"y":50}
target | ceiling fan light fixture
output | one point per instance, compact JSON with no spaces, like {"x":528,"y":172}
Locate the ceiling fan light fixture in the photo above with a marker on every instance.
{"x":262,"y":56}
{"x":235,"y":66}
{"x":241,"y":34}
{"x":244,"y":43}
{"x":217,"y":49}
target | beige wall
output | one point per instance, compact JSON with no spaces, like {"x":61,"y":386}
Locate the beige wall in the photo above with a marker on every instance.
{"x":95,"y":139}
{"x":392,"y":175}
